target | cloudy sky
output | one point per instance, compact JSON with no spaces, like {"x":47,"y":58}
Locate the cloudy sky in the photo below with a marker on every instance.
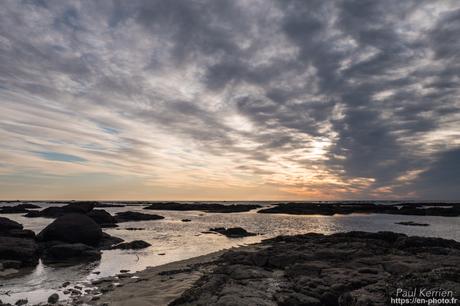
{"x":237,"y":99}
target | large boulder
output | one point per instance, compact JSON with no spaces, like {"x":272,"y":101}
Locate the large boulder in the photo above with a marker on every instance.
{"x":72,"y":228}
{"x":70,"y":251}
{"x":136,"y":216}
{"x":19,"y":249}
{"x":7,"y":224}
{"x":10,"y":228}
{"x":102,"y":217}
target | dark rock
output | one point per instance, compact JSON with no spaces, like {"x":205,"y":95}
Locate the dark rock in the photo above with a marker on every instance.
{"x":108,"y":205}
{"x":329,"y":209}
{"x":58,"y":211}
{"x":102,"y":217}
{"x":11,"y":264}
{"x":411,"y":223}
{"x":72,"y":228}
{"x":70,"y":251}
{"x":33,"y":214}
{"x":28,"y":206}
{"x":12,"y":210}
{"x":206,"y":207}
{"x":53,"y":298}
{"x":136,"y":216}
{"x":233,"y":232}
{"x":133,"y":245}
{"x":346,"y":269}
{"x":7,"y":224}
{"x":107,"y":241}
{"x":18,"y":233}
{"x":24,"y":250}
{"x":186,"y":220}
{"x":21,"y":302}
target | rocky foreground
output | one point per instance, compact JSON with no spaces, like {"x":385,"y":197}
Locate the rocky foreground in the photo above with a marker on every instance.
{"x":346,"y":269}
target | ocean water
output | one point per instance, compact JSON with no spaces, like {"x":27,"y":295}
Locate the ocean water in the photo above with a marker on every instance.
{"x":174,"y":240}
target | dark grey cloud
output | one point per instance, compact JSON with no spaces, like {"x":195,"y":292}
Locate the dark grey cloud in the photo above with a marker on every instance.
{"x":346,"y":89}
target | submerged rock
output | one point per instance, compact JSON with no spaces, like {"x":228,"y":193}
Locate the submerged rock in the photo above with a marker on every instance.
{"x":136,"y":216}
{"x":72,"y":228}
{"x":411,"y":223}
{"x":133,"y":245}
{"x":232,"y":232}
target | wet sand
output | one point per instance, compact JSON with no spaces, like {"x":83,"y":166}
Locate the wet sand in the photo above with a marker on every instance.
{"x":158,"y":285}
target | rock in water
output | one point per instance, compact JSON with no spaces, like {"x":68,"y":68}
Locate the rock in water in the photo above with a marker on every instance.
{"x":136,"y":216}
{"x":7,"y":224}
{"x":412,"y":223}
{"x":233,"y":232}
{"x":53,"y":298}
{"x":102,"y":217}
{"x":108,"y":241}
{"x":17,"y":244}
{"x":57,"y":211}
{"x":74,"y":251}
{"x":72,"y":228}
{"x":133,"y":245}
{"x":24,"y":250}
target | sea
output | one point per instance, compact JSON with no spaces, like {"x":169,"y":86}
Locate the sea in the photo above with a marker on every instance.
{"x":174,"y":240}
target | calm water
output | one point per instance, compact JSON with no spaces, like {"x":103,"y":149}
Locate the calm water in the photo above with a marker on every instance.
{"x":181,"y":240}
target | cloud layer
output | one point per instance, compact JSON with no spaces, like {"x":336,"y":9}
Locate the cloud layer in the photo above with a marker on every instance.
{"x":230,"y":99}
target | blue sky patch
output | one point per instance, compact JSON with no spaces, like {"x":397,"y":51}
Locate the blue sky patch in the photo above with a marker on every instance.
{"x":60,"y":157}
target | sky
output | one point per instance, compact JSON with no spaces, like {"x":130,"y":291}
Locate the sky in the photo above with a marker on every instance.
{"x":230,"y":100}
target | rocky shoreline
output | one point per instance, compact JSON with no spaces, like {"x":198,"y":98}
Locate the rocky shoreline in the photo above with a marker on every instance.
{"x":345,"y":269}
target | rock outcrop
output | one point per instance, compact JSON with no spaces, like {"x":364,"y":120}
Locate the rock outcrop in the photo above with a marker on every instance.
{"x":102,"y":217}
{"x":127,"y":216}
{"x":17,"y":246}
{"x":346,"y":269}
{"x":72,"y":228}
{"x":58,"y":211}
{"x":232,"y":232}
